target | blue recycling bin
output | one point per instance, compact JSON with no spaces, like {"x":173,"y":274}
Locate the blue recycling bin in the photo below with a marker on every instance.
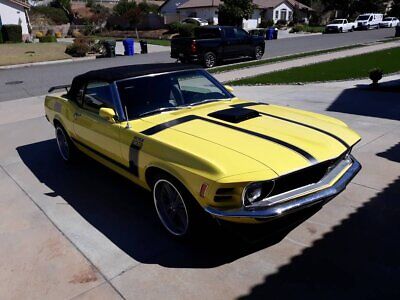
{"x":129,"y":46}
{"x":270,"y":34}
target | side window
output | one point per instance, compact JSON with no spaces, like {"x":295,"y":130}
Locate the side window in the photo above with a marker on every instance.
{"x":345,"y":21}
{"x":240,"y":33}
{"x":229,"y":33}
{"x":97,"y":95}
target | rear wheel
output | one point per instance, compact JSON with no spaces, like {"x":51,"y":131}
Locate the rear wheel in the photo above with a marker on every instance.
{"x":66,"y":148}
{"x":258,"y":53}
{"x":210,"y":60}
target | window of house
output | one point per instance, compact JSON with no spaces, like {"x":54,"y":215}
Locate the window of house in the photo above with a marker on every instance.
{"x":277,"y":14}
{"x":290,"y":15}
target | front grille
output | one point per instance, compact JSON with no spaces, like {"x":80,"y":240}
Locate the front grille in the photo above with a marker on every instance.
{"x":303,"y":177}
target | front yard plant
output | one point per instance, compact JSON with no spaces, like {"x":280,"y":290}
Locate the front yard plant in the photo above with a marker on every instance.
{"x":12,"y":33}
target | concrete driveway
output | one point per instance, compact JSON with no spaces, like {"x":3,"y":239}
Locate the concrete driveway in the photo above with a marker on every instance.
{"x":83,"y":232}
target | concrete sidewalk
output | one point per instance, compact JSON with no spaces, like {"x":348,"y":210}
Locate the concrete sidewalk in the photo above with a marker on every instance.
{"x":84,"y":232}
{"x":268,"y":68}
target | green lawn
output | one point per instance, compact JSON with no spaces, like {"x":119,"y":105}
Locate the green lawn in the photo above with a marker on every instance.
{"x":340,"y":69}
{"x":12,"y":54}
{"x":277,"y":59}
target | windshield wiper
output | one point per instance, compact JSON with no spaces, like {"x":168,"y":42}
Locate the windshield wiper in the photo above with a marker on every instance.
{"x":158,"y":110}
{"x":202,"y":102}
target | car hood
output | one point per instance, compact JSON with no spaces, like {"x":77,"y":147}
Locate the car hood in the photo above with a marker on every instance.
{"x":281,"y":138}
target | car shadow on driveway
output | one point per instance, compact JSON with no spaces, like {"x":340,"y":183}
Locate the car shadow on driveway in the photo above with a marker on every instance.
{"x":358,"y":259}
{"x":125,"y":214}
{"x":381,"y":102}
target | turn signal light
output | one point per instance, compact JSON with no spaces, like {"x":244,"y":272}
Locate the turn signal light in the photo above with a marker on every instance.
{"x":203,"y":190}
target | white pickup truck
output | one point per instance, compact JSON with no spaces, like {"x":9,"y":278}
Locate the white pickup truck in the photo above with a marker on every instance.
{"x":340,"y":25}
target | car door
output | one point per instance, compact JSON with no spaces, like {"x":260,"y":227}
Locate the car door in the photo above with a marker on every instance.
{"x":245,"y":45}
{"x":93,"y":132}
{"x":231,"y":43}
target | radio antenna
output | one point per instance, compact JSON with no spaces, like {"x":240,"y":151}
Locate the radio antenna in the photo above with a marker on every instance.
{"x":127,"y":118}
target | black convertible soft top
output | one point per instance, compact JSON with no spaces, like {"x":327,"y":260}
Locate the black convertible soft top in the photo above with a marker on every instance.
{"x":124,"y":72}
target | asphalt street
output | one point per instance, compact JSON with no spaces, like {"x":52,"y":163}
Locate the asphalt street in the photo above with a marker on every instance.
{"x":33,"y":81}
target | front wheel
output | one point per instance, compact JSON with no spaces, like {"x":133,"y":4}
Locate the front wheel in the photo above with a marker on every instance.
{"x":258,"y":53}
{"x":179,"y":212}
{"x":210,"y":60}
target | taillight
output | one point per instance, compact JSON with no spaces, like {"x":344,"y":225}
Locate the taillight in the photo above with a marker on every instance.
{"x":193,"y":47}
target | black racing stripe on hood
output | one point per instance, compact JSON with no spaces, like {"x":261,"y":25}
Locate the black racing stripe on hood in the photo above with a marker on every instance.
{"x":169,"y":124}
{"x":308,"y":126}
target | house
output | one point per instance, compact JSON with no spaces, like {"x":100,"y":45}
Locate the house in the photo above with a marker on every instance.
{"x":15,"y":12}
{"x":177,"y":10}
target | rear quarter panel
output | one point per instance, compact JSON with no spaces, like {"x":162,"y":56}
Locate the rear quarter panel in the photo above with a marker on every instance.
{"x":60,"y":109}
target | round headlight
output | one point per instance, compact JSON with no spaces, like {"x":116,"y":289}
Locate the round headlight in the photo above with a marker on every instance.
{"x":257,"y":191}
{"x":253,"y":193}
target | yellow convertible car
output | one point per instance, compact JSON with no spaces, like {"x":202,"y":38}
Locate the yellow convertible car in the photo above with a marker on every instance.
{"x":175,"y":130}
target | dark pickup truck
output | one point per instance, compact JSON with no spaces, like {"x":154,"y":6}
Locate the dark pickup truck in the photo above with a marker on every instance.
{"x":212,"y":44}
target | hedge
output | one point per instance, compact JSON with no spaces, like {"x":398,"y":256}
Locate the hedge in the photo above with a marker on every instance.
{"x":12,"y":33}
{"x":1,"y":37}
{"x":48,"y":39}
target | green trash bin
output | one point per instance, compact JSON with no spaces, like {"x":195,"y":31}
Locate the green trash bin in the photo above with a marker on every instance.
{"x":110,"y":48}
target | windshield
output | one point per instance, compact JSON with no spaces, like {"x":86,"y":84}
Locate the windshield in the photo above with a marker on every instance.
{"x":154,"y":94}
{"x":362,"y":18}
{"x":337,"y":22}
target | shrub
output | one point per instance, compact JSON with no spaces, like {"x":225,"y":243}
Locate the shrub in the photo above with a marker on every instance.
{"x":79,"y":48}
{"x":48,"y":39}
{"x":187,"y":30}
{"x":12,"y":33}
{"x":39,"y":34}
{"x":56,"y":15}
{"x":281,"y":23}
{"x":174,"y":27}
{"x":266,"y":24}
{"x":58,"y":34}
{"x":297,"y":28}
{"x":1,"y":38}
{"x":375,"y":75}
{"x":76,"y":34}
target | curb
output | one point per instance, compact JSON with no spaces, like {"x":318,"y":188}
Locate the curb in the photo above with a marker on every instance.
{"x":51,"y":62}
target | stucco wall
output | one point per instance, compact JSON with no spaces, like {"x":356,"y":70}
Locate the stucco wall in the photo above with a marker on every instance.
{"x":171,"y":6}
{"x":11,"y":13}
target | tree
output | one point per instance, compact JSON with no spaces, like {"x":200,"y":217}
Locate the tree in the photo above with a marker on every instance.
{"x":232,"y":12}
{"x":132,"y":12}
{"x":65,"y":5}
{"x":395,"y":9}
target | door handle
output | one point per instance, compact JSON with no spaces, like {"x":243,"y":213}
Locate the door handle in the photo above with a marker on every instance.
{"x":76,"y":115}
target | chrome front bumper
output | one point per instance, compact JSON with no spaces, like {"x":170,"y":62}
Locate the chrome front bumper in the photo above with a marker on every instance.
{"x":298,"y":199}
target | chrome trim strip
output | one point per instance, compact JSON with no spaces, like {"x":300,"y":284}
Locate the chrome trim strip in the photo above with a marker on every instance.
{"x":282,"y":208}
{"x":307,"y":189}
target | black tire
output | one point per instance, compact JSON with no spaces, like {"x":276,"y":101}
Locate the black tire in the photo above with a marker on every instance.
{"x":209,"y":60}
{"x":258,"y":53}
{"x":182,"y":216}
{"x":341,"y":30}
{"x":66,"y":148}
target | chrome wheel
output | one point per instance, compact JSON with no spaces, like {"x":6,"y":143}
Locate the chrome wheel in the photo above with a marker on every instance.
{"x":210,"y":60}
{"x":259,"y":53}
{"x":62,"y":142}
{"x":171,"y":208}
